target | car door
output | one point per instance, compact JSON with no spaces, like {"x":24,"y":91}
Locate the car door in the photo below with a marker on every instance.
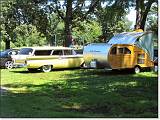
{"x":71,"y":59}
{"x":58,"y":59}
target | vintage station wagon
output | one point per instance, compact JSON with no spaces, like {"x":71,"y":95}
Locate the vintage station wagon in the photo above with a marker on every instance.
{"x":50,"y":58}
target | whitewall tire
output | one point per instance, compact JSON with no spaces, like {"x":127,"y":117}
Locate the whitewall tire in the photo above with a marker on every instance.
{"x":46,"y":68}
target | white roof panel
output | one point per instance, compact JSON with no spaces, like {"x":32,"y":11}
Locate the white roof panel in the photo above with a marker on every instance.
{"x":125,"y":38}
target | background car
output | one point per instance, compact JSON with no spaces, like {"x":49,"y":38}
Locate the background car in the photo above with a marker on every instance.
{"x":5,"y":58}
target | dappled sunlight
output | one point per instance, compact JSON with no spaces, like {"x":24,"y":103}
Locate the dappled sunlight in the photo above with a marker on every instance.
{"x":18,"y":90}
{"x":145,"y":74}
{"x":123,"y":84}
{"x":75,"y":106}
{"x":80,"y":92}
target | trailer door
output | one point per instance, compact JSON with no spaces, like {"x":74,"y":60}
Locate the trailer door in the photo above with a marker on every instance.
{"x":114,"y":58}
{"x":126,"y":58}
{"x":120,"y":57}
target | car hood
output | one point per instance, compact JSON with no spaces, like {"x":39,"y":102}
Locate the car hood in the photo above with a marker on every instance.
{"x":17,"y":57}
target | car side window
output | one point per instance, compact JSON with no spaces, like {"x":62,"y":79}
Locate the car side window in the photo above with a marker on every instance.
{"x":113,"y":51}
{"x":57,"y":52}
{"x":42,"y":52}
{"x":68,"y":52}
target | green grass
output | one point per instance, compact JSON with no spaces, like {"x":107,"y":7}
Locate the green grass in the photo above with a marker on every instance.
{"x":79,"y":93}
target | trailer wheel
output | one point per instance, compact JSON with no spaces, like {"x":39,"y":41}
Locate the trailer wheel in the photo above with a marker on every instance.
{"x":137,"y":69}
{"x":46,"y":68}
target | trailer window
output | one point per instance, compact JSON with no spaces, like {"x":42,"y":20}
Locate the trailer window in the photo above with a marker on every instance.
{"x":141,"y":58}
{"x":127,"y":51}
{"x":120,"y":50}
{"x":113,"y":51}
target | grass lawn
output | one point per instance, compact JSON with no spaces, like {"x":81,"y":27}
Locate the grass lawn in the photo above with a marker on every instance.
{"x":78,"y":93}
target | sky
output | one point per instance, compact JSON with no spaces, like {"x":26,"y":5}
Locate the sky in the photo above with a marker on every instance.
{"x":132,"y":16}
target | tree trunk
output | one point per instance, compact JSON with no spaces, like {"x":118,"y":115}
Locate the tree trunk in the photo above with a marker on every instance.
{"x":68,"y":24}
{"x":7,"y":44}
{"x":144,"y":18}
{"x":138,"y":15}
{"x":142,"y":12}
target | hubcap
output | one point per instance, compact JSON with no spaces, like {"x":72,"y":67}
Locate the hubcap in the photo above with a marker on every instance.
{"x":46,"y":68}
{"x":9,"y":64}
{"x":137,"y":70}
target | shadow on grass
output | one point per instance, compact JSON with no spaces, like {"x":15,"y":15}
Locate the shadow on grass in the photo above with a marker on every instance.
{"x":39,"y":71}
{"x":86,"y":72}
{"x":86,"y":93}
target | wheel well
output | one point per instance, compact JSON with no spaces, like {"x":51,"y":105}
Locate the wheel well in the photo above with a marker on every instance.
{"x":82,"y":63}
{"x":47,"y":64}
{"x":137,"y":66}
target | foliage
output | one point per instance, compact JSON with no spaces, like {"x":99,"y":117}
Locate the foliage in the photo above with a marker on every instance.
{"x":62,"y":19}
{"x":27,"y":35}
{"x":152,"y":19}
{"x":86,"y":32}
{"x":79,"y":93}
{"x":111,"y":18}
{"x":142,"y":9}
{"x":59,"y":32}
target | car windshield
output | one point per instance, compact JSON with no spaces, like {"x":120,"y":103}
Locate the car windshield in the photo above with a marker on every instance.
{"x":4,"y":53}
{"x":25,"y":51}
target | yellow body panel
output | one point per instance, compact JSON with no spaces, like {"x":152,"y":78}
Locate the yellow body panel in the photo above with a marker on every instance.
{"x":68,"y":61}
{"x":120,"y":61}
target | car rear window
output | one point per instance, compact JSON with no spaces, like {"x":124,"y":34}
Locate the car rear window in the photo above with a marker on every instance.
{"x":68,"y":52}
{"x":57,"y":52}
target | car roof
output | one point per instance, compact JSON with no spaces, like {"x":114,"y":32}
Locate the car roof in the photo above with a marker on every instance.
{"x":49,"y":48}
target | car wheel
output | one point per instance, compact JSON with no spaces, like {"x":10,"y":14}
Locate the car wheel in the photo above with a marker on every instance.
{"x":46,"y":68}
{"x":9,"y":64}
{"x":137,"y":69}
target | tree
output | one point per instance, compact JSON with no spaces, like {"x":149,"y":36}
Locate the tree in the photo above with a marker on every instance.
{"x":112,"y":17}
{"x":7,"y":21}
{"x":18,"y":12}
{"x":142,"y":9}
{"x":27,"y":35}
{"x":71,"y":15}
{"x":152,"y":19}
{"x":86,"y":32}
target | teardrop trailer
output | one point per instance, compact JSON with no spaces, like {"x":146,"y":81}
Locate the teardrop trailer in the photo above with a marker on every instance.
{"x":129,"y":50}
